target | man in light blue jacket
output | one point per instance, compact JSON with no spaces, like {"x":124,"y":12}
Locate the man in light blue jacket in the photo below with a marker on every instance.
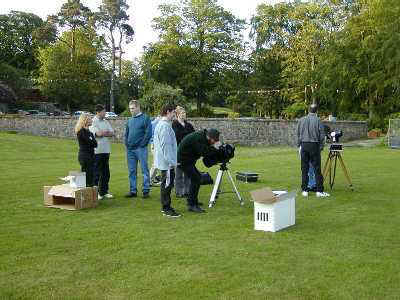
{"x":137,"y":137}
{"x":165,"y":157}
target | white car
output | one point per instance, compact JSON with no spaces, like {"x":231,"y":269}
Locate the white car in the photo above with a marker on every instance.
{"x":110,"y":115}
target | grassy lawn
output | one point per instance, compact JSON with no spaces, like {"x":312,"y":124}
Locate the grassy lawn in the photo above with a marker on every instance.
{"x":343,"y":247}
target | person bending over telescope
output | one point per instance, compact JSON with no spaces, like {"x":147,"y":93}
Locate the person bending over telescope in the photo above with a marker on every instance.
{"x":191,"y":148}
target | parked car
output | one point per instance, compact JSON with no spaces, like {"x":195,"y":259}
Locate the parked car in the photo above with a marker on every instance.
{"x":22,"y":112}
{"x":34,"y":112}
{"x":111,"y":115}
{"x":65,"y":113}
{"x":79,"y":112}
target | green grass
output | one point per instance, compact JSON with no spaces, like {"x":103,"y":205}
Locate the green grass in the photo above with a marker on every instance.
{"x":344,"y":247}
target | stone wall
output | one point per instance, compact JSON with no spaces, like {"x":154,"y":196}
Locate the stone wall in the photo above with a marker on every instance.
{"x":245,"y":131}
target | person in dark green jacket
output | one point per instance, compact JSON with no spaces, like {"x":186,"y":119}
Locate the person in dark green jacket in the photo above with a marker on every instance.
{"x":194,"y":146}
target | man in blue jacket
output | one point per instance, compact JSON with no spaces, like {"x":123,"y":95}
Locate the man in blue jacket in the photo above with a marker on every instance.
{"x":137,"y":137}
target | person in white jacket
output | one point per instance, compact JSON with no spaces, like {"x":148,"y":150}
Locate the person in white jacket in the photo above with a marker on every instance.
{"x":165,"y":157}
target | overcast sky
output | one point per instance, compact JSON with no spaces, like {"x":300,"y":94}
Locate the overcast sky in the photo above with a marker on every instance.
{"x":141,"y":13}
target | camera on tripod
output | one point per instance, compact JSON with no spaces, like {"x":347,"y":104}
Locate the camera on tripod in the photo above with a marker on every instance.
{"x":334,"y":137}
{"x":222,"y":155}
{"x":225,"y":153}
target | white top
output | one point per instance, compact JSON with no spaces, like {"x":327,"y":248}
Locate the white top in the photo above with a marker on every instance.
{"x":165,"y":148}
{"x":103,"y":142}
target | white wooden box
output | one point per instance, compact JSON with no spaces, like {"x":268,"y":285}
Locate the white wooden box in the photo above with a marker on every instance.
{"x":277,"y":215}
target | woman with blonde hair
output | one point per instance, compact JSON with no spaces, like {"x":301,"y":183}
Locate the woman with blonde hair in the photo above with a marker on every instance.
{"x":87,"y":143}
{"x":181,"y":128}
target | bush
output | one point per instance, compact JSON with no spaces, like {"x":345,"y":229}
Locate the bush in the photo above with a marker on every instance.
{"x":233,"y":115}
{"x":296,"y":110}
{"x":159,"y":95}
{"x":205,"y":112}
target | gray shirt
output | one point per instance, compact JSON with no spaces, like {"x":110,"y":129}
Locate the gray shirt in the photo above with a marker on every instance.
{"x":310,"y":130}
{"x":103,"y":142}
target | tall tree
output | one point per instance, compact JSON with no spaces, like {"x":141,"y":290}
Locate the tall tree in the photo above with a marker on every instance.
{"x":203,"y":33}
{"x":114,"y":18}
{"x":72,"y":85}
{"x":73,"y":16}
{"x":18,"y":42}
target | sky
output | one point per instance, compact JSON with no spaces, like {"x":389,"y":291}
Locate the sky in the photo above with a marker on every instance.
{"x":141,"y":13}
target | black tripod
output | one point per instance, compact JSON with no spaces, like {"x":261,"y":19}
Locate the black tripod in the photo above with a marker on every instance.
{"x":216,"y":191}
{"x":333,"y":156}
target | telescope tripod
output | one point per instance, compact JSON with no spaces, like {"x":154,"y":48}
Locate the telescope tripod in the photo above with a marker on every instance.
{"x":216,"y":190}
{"x":333,"y":156}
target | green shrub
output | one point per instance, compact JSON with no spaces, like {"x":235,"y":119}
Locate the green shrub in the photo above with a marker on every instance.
{"x":205,"y":112}
{"x":159,"y":95}
{"x":233,"y":115}
{"x":296,"y":110}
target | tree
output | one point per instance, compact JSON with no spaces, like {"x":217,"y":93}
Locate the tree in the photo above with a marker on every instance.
{"x":201,"y":35}
{"x":74,"y":85}
{"x":73,"y":16}
{"x":113,"y":17}
{"x":18,"y":43}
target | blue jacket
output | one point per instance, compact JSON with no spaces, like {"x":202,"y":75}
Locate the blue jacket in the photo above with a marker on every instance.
{"x":138,"y":132}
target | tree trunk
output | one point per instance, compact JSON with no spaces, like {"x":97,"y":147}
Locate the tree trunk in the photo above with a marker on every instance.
{"x":112,"y":72}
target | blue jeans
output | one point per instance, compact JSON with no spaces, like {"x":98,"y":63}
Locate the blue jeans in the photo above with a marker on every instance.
{"x":311,"y":177}
{"x":133,"y":156}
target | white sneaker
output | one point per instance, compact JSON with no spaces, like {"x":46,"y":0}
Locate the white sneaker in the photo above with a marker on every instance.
{"x":99,"y":197}
{"x":108,"y":196}
{"x":304,"y":193}
{"x":322,"y":194}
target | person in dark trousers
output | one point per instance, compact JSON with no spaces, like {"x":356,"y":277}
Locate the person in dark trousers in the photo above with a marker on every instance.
{"x":102,"y":130}
{"x":87,"y":143}
{"x":311,"y":138}
{"x":137,"y":137}
{"x":181,"y":128}
{"x":192,"y":147}
{"x":165,"y":151}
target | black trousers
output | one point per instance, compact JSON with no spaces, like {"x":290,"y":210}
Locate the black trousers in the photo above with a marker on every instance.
{"x":102,"y":172}
{"x":166,"y":190}
{"x":310,"y":152}
{"x":194,"y":176}
{"x":87,"y":165}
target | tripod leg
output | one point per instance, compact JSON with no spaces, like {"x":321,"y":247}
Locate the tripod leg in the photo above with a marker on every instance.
{"x":216,"y":188}
{"x":236,"y":190}
{"x":324,"y":172}
{"x":346,"y":173}
{"x":328,"y":165}
{"x":332,"y":178}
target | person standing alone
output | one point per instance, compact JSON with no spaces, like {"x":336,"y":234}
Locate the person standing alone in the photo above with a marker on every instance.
{"x":311,"y":137}
{"x":102,"y":130}
{"x":137,"y":137}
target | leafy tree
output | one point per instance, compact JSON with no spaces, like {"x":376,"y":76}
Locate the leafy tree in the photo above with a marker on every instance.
{"x":74,"y":85}
{"x":73,"y":17}
{"x":198,"y":40}
{"x":18,"y":42}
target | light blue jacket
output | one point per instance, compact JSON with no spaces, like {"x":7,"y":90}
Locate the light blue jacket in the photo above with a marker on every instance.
{"x":165,"y":148}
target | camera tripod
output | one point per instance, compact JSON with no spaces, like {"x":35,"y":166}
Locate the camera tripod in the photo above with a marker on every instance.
{"x":333,"y":156}
{"x":216,"y":190}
